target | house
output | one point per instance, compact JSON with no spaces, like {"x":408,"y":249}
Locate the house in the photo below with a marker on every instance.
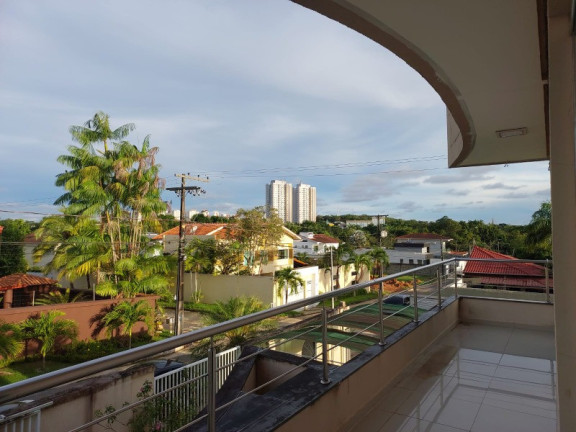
{"x":505,"y":275}
{"x":315,"y":245}
{"x":417,"y":249}
{"x":433,"y":244}
{"x":278,"y":257}
{"x":20,"y":289}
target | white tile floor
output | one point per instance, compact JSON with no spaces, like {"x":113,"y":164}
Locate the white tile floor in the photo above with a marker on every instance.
{"x":479,"y":378}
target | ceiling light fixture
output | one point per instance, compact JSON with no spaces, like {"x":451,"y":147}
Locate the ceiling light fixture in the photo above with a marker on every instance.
{"x":507,"y":133}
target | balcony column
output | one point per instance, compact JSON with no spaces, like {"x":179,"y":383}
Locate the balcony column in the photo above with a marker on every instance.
{"x":563,"y":184}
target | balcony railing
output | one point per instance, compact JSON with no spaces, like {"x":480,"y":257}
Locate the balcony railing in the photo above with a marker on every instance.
{"x":326,"y":340}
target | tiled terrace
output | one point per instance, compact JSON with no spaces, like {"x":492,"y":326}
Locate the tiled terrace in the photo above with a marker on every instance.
{"x":478,"y":378}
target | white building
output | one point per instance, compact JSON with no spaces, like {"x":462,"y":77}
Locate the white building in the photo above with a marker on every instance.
{"x":304,"y":203}
{"x":279,"y":197}
{"x":296,"y":204}
{"x":315,"y":244}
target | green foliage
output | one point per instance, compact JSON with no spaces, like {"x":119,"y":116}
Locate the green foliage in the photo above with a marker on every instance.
{"x":531,"y":241}
{"x":257,"y":234}
{"x":83,"y":351}
{"x":48,"y":331}
{"x":11,"y":246}
{"x":59,"y":297}
{"x":10,"y":342}
{"x":237,"y":307}
{"x":361,"y":262}
{"x":540,"y":229}
{"x":159,"y":413}
{"x":117,"y":182}
{"x":289,"y":281}
{"x":124,"y":316}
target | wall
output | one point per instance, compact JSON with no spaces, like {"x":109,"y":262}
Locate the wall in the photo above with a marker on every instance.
{"x":222,"y":287}
{"x":74,"y":404}
{"x":353,"y":393}
{"x":81,"y":312}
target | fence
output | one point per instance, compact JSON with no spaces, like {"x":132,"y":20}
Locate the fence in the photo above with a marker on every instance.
{"x":184,"y":389}
{"x":25,"y":421}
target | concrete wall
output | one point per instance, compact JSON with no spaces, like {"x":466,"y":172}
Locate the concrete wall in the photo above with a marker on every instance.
{"x":222,"y":287}
{"x":354,"y":392}
{"x":507,"y":312}
{"x":81,"y":312}
{"x":76,"y":403}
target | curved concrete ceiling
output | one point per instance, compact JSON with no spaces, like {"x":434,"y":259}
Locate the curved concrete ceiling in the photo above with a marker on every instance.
{"x":486,"y":59}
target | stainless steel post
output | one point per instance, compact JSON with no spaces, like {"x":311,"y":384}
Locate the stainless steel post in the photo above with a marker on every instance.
{"x":546,"y":276}
{"x":211,"y":390}
{"x":415,"y":285}
{"x":325,"y":378}
{"x":381,"y":313}
{"x":439,"y":283}
{"x":456,"y":279}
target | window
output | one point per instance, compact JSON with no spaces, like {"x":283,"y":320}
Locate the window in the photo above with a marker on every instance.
{"x":283,"y":254}
{"x":410,"y":261}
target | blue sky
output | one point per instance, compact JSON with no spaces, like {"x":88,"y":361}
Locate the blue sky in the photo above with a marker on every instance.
{"x":243,"y":91}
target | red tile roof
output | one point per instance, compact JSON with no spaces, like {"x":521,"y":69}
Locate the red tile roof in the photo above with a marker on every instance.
{"x":199,"y":229}
{"x":23,"y":280}
{"x":218,"y":230}
{"x":423,"y":236}
{"x":323,"y":238}
{"x":500,"y":268}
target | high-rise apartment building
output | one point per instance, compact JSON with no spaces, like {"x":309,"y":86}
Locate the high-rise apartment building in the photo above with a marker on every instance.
{"x":304,"y":203}
{"x":292,"y":204}
{"x":279,"y":196}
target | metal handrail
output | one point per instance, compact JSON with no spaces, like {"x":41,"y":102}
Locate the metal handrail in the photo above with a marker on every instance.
{"x":17,"y":390}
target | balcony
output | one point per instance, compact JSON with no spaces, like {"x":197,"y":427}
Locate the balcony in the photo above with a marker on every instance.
{"x":454,"y":359}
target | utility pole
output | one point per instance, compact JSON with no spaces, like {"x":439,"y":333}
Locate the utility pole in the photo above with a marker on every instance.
{"x":181,"y":192}
{"x":381,"y":235}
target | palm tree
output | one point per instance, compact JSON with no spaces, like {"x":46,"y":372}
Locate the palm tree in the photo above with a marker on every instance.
{"x":288,"y":278}
{"x":125,"y":315}
{"x":97,"y":129}
{"x":540,"y":227}
{"x":380,"y":259}
{"x":119,"y":183}
{"x":75,"y":246}
{"x":337,"y":257}
{"x":59,"y":297}
{"x":361,"y":261}
{"x":10,"y":341}
{"x":48,"y":331}
{"x":237,"y":307}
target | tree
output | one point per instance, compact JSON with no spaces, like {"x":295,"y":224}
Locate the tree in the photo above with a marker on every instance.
{"x":59,"y":297}
{"x":257,"y":234}
{"x":124,"y":316}
{"x":75,"y":246}
{"x":337,"y":257}
{"x":380,"y":258}
{"x":11,"y":246}
{"x":288,"y":280}
{"x":361,"y":262}
{"x":10,"y":341}
{"x":237,"y":307}
{"x":47,"y":330}
{"x":539,"y":230}
{"x":117,"y":182}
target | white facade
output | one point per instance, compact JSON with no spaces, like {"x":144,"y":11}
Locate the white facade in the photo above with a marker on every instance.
{"x":279,"y":197}
{"x":315,"y":244}
{"x":304,"y":203}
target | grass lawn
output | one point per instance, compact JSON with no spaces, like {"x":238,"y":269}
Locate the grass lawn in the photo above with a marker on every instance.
{"x":27,"y":369}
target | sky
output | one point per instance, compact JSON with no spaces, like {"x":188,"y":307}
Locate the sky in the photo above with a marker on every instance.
{"x":244,"y":92}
